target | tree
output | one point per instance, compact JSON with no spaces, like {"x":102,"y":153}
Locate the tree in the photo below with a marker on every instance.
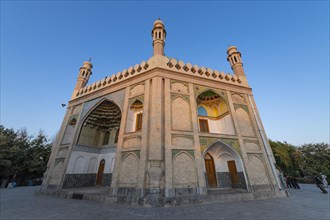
{"x":22,"y":157}
{"x":286,"y":157}
{"x":315,"y":158}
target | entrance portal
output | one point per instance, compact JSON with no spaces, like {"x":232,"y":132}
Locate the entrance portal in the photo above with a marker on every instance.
{"x":99,"y":178}
{"x":210,"y":171}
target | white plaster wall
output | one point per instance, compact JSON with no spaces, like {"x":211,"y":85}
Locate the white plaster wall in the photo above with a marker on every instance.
{"x":221,"y":156}
{"x":84,"y":167}
{"x":221,"y":126}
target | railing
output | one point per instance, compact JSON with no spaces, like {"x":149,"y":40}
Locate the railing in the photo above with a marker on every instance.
{"x":93,"y":149}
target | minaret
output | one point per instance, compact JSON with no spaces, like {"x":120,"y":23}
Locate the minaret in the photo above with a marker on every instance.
{"x":84,"y":73}
{"x":158,"y":34}
{"x":234,"y":57}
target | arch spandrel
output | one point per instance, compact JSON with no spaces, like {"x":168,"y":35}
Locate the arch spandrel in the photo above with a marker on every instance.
{"x":206,"y":142}
{"x":198,"y":90}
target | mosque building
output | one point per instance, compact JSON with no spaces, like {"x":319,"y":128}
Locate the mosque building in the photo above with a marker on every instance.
{"x":163,"y":128}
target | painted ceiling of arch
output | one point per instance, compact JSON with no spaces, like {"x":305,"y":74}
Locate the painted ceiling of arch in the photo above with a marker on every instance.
{"x":105,"y":116}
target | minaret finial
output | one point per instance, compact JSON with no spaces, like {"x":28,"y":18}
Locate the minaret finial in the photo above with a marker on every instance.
{"x":90,"y":59}
{"x":158,"y":18}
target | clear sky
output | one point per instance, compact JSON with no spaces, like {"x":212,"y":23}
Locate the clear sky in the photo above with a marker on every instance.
{"x":284,"y":46}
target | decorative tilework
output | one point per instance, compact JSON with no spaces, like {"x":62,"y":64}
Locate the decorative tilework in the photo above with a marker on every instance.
{"x":200,"y":89}
{"x":176,"y":151}
{"x":207,"y":141}
{"x":236,"y":106}
{"x":136,"y":152}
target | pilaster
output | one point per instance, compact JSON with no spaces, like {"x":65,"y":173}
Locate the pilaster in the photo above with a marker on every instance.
{"x":240,"y":138}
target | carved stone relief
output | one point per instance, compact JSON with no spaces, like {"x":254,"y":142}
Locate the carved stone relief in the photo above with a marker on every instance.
{"x":244,"y":120}
{"x":62,"y":152}
{"x":181,"y":115}
{"x":184,"y":173}
{"x":137,"y":89}
{"x":182,"y":140}
{"x":257,"y":172}
{"x":179,"y":86}
{"x":129,"y":171}
{"x":132,"y":142}
{"x":251,"y":146}
{"x":238,"y":98}
{"x":69,"y":131}
{"x":57,"y":171}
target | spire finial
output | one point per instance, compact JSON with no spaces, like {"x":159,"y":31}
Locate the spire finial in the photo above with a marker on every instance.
{"x":90,"y":59}
{"x":158,"y":18}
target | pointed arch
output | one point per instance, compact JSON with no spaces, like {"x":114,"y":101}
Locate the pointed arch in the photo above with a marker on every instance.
{"x":129,"y":170}
{"x":181,"y":114}
{"x":218,"y":119}
{"x":79,"y":165}
{"x":184,"y":171}
{"x":134,"y":116}
{"x":230,"y":170}
{"x":105,"y":115}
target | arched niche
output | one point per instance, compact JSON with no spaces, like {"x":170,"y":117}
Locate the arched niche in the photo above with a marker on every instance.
{"x":213,"y":114}
{"x":103,"y":120}
{"x":134,"y":117}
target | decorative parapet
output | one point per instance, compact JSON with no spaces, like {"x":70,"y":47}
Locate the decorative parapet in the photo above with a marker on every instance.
{"x":110,"y":80}
{"x":165,"y":63}
{"x":204,"y":72}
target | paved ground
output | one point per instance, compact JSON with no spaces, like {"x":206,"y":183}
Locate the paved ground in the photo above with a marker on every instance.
{"x":21,"y":203}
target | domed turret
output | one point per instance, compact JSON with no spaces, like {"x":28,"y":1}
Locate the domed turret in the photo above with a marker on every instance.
{"x":158,"y":34}
{"x":234,"y":58}
{"x":84,"y":73}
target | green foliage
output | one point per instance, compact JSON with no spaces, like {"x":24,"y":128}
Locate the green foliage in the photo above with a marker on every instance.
{"x":306,"y":160}
{"x":22,"y":157}
{"x":286,"y":157}
{"x":315,"y":158}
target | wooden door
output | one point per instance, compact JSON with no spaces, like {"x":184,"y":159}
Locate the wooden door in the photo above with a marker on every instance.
{"x":233,"y":171}
{"x":210,"y":171}
{"x":99,"y":178}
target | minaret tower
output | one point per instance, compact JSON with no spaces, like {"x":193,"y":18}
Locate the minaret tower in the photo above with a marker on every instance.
{"x":158,"y":34}
{"x":234,"y":57}
{"x":84,"y":73}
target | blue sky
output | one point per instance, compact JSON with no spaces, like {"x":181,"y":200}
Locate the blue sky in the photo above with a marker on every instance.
{"x":284,"y":46}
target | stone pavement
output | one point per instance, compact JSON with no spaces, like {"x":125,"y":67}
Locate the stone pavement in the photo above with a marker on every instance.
{"x":22,"y":203}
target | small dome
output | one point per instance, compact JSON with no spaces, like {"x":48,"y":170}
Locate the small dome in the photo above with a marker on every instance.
{"x":231,"y":50}
{"x":158,"y":22}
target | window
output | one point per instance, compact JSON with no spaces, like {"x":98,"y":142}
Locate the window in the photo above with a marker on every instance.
{"x":138,"y":124}
{"x":202,"y":111}
{"x":106,"y":138}
{"x":204,"y":125}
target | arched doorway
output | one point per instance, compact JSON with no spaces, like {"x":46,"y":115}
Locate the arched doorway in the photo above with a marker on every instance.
{"x":210,"y":171}
{"x":99,"y":178}
{"x":224,"y":167}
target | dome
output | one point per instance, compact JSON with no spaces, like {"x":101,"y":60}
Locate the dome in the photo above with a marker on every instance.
{"x":158,"y":23}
